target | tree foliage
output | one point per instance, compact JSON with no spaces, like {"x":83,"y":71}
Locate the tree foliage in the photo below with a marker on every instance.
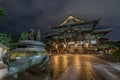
{"x":117,"y":52}
{"x":23,"y":36}
{"x":110,"y":44}
{"x":115,"y":45}
{"x":2,"y":12}
{"x":5,"y":39}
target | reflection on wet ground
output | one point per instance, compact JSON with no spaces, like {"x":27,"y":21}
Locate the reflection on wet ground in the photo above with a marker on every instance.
{"x":59,"y":64}
{"x":83,"y":67}
{"x":76,"y":67}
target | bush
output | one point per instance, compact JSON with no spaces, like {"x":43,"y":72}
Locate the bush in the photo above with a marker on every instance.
{"x":117,"y":53}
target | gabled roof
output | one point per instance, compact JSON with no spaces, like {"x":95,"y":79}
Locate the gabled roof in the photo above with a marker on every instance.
{"x":71,"y":20}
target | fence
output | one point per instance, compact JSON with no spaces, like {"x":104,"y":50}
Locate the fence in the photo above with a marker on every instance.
{"x":111,"y":58}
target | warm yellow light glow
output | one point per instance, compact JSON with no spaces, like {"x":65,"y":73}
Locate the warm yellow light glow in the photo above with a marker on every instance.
{"x":106,"y":51}
{"x":13,"y":55}
{"x":64,"y":45}
{"x":87,"y":45}
{"x":76,"y":45}
{"x":56,"y":60}
{"x":65,"y":61}
{"x":110,"y":51}
{"x":70,"y":18}
{"x":56,"y":46}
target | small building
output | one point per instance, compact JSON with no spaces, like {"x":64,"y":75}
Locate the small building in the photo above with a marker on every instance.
{"x":75,"y":35}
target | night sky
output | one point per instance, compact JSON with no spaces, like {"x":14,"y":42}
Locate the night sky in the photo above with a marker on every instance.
{"x":40,"y":14}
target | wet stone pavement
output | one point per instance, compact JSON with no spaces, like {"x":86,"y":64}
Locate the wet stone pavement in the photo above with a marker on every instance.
{"x":82,"y":67}
{"x":77,"y":67}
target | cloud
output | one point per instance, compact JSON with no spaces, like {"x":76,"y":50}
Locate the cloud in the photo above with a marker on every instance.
{"x":24,"y":14}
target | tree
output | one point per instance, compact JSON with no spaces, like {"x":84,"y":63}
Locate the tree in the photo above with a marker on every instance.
{"x":109,"y":44}
{"x":117,"y":53}
{"x":2,"y":12}
{"x":23,"y":36}
{"x":117,"y":43}
{"x":6,"y":39}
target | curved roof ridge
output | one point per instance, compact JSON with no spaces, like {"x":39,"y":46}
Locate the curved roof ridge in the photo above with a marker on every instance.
{"x":72,"y":18}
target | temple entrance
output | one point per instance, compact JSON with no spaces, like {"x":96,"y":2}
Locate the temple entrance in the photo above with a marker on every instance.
{"x":69,"y":48}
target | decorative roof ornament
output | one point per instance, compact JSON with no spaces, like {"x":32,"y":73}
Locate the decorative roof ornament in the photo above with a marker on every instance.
{"x":34,"y":35}
{"x":31,"y":34}
{"x":38,"y":35}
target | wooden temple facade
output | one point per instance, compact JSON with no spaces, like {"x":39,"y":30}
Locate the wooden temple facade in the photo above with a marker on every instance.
{"x":75,"y":35}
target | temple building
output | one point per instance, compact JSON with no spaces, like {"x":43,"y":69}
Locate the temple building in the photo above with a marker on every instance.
{"x":75,"y":35}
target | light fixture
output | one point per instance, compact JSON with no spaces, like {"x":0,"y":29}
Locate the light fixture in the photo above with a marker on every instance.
{"x":56,"y":46}
{"x":76,"y":45}
{"x":87,"y":45}
{"x":64,"y":45}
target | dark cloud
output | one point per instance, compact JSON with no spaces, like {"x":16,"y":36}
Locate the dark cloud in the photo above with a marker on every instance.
{"x":27,"y":2}
{"x":39,"y":14}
